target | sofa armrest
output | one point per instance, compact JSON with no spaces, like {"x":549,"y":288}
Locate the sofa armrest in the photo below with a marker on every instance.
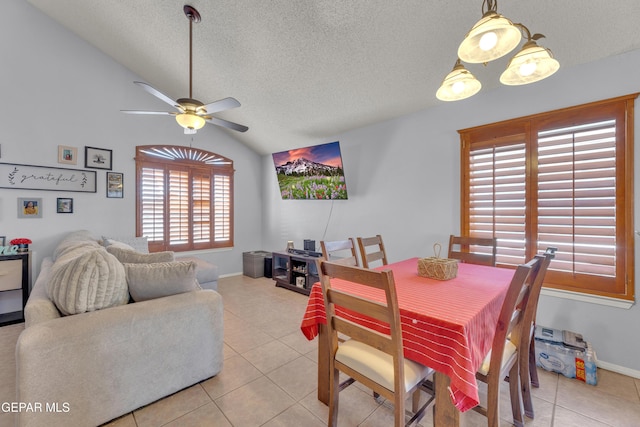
{"x":39,"y":307}
{"x":106,"y":363}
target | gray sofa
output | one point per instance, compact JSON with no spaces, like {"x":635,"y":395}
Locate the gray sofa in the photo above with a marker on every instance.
{"x":86,"y":369}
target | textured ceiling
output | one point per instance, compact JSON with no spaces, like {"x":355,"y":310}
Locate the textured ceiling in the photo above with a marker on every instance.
{"x":308,"y":70}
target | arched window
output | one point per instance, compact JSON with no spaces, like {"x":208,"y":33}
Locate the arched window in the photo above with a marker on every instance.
{"x":184,"y":198}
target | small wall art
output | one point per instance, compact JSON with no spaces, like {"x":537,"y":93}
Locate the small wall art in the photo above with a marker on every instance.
{"x":97,"y":158}
{"x":29,"y":207}
{"x":67,"y":155}
{"x":115,"y":185}
{"x":64,"y":205}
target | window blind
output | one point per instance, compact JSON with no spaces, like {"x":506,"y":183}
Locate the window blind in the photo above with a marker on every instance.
{"x":559,"y":179}
{"x":184,"y":198}
{"x":178,"y":208}
{"x":222,"y":191}
{"x":152,"y":209}
{"x":201,"y":208}
{"x":497,"y":199}
{"x":577,"y":197}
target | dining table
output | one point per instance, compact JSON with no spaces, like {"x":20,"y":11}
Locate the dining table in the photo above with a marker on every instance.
{"x":447,"y":325}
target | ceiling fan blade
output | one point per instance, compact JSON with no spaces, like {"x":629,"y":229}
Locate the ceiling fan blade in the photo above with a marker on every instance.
{"x":221,"y":105}
{"x":227,"y":124}
{"x":167,"y":113}
{"x":155,"y":92}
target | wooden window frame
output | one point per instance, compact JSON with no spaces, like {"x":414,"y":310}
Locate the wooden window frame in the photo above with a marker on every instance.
{"x":198,"y":165}
{"x":526,"y":129}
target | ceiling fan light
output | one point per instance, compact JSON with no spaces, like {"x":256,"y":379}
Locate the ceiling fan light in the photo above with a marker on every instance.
{"x":490,"y":38}
{"x":459,"y":84}
{"x":190,"y":121}
{"x":533,"y":63}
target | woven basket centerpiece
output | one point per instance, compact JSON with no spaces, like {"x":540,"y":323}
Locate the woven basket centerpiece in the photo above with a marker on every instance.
{"x":436,"y":267}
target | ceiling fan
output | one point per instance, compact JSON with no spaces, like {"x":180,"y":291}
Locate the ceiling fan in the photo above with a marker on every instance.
{"x":192,"y":114}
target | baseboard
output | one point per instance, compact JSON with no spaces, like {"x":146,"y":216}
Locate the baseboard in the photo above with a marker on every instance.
{"x":619,"y":369}
{"x":230,"y":275}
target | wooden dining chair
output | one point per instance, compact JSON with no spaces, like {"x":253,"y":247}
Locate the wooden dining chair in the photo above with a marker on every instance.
{"x":373,"y":358}
{"x":340,"y":251}
{"x":474,"y":250}
{"x":372,"y":250}
{"x":528,"y":370}
{"x":510,"y":342}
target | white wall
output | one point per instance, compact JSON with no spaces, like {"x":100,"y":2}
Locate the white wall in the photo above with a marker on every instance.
{"x":58,"y":90}
{"x":403,"y":182}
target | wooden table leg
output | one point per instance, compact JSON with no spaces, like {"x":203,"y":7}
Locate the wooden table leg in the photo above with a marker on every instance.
{"x":323,"y":364}
{"x":445,"y":414}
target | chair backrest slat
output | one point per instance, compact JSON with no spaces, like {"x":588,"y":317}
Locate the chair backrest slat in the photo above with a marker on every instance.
{"x":340,"y":251}
{"x":353,"y":330}
{"x":377,"y":254}
{"x":374,"y":309}
{"x":474,"y":250}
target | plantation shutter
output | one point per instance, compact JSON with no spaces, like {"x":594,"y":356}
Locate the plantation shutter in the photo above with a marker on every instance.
{"x":152,"y":210}
{"x":497,"y":201}
{"x":179,"y":215}
{"x":222,"y":209}
{"x":184,"y":198}
{"x":201,"y":208}
{"x":561,"y":179}
{"x":577,"y":197}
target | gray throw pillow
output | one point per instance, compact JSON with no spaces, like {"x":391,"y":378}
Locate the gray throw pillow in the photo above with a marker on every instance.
{"x":127,"y":256}
{"x":139,"y":244}
{"x":149,"y":281}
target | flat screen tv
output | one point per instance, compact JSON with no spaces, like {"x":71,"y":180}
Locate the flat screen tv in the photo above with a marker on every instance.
{"x":311,"y":173}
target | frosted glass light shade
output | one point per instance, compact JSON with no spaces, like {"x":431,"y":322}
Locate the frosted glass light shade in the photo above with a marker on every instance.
{"x":490,"y":38}
{"x":531,"y":64}
{"x":190,"y":120}
{"x":459,"y":84}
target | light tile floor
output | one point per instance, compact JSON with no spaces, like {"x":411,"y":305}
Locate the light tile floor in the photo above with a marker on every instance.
{"x":269,"y":380}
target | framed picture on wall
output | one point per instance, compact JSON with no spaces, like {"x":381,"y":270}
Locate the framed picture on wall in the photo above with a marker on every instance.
{"x":64,"y":205}
{"x":97,"y":158}
{"x":29,"y":207}
{"x":115,"y":185}
{"x":68,"y":155}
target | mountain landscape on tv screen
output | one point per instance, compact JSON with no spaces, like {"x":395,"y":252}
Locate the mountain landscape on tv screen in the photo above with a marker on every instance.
{"x":311,"y":173}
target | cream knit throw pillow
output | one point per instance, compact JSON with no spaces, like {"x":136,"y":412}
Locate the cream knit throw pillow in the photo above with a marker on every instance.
{"x":91,"y":280}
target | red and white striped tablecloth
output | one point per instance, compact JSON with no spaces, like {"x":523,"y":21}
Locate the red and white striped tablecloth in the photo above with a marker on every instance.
{"x":446,"y":325}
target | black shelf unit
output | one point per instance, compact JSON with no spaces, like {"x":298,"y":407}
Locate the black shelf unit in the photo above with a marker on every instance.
{"x":16,"y":269}
{"x":295,"y":272}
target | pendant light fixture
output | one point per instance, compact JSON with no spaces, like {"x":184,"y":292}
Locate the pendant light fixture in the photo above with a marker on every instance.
{"x":531,"y":64}
{"x":459,"y":84}
{"x":490,"y":38}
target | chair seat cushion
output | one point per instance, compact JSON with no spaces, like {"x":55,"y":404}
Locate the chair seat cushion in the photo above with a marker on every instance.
{"x":378,"y":365}
{"x":509,"y":350}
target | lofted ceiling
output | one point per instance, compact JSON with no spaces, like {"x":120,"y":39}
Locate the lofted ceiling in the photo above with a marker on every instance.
{"x":308,"y":70}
